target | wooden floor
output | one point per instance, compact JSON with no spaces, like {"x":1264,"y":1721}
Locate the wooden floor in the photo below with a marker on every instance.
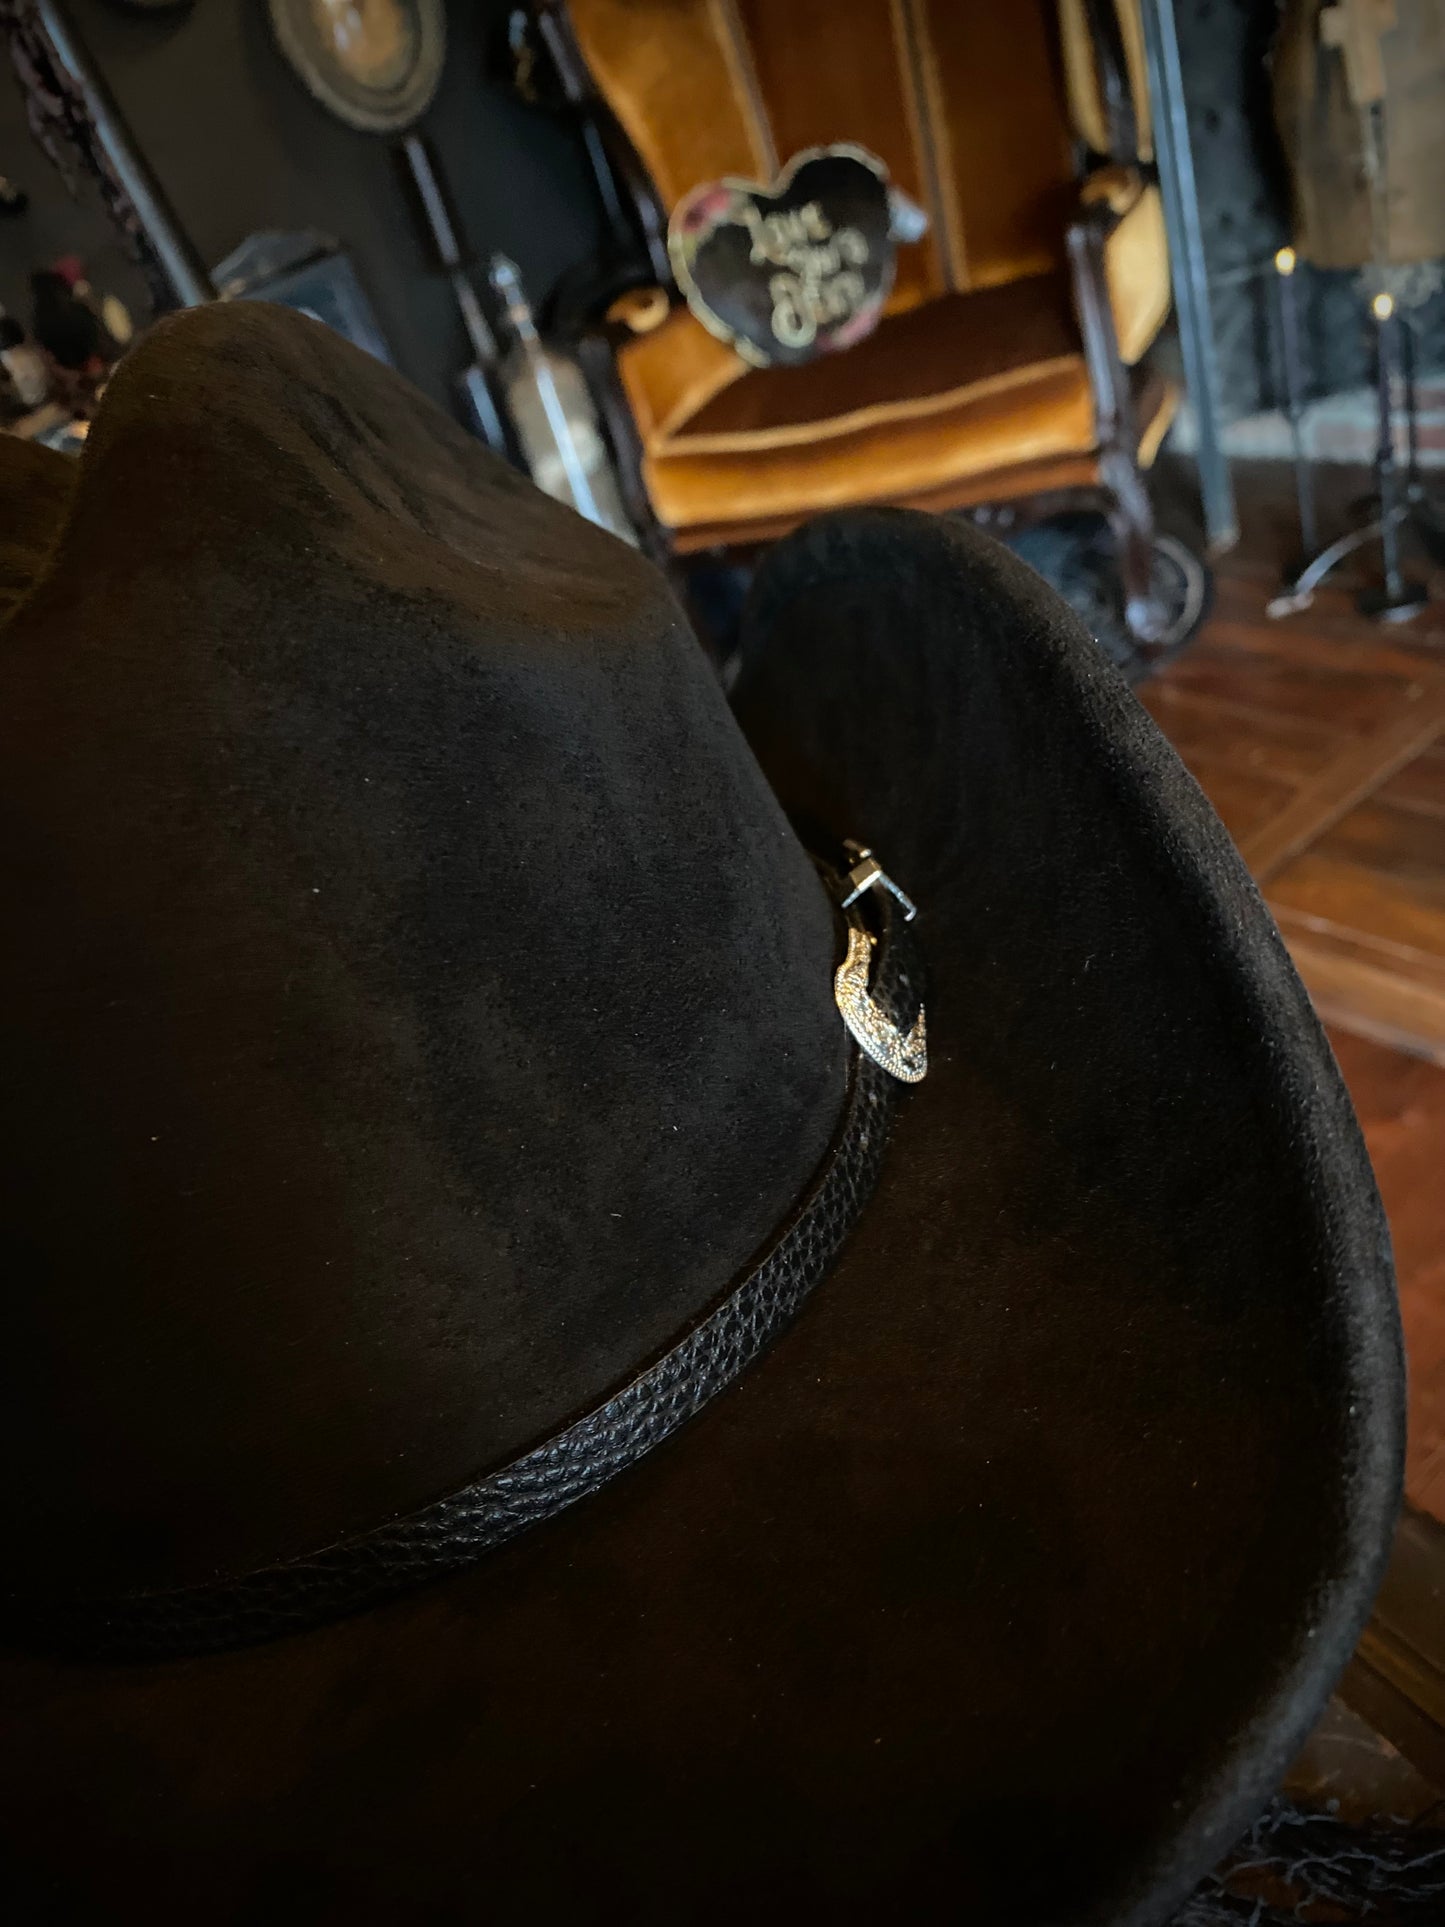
{"x":1401,"y":1104}
{"x":1321,"y":741}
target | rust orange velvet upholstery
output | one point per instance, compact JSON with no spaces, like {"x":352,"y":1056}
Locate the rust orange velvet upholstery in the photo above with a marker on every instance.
{"x":964,"y":399}
{"x":1136,"y":268}
{"x":977,"y":370}
{"x":1086,"y":96}
{"x":964,"y":102}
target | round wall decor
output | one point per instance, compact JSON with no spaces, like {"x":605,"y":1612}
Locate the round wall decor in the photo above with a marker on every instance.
{"x":375,"y":64}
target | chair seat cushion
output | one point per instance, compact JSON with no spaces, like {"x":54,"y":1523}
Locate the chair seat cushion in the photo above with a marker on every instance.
{"x":942,"y":399}
{"x":915,"y":365}
{"x":1045,"y":414}
{"x":684,"y":384}
{"x":959,"y":386}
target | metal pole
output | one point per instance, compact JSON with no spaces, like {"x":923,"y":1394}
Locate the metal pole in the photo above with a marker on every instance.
{"x":1412,"y":419}
{"x":1386,"y":344}
{"x":1292,"y":360}
{"x":1175,"y":160}
{"x":1400,"y":598}
{"x":169,"y":243}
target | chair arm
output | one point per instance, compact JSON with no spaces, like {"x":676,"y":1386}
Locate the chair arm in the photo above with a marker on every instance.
{"x":1111,"y":65}
{"x":616,"y":164}
{"x":1136,"y":253}
{"x":1108,"y":377}
{"x":596,"y":353}
{"x":606,"y":294}
{"x":1116,"y":186}
{"x":640,"y":309}
{"x":1116,"y":420}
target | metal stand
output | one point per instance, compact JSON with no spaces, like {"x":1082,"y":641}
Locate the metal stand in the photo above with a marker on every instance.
{"x":1292,"y":361}
{"x":1398,"y":597}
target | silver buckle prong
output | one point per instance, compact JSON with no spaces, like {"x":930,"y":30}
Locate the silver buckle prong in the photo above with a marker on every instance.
{"x":868,"y":874}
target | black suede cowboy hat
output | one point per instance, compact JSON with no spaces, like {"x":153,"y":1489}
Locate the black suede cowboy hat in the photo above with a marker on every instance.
{"x":455,"y":1127}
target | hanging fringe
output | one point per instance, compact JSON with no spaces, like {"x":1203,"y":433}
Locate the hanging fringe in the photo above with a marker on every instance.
{"x":1295,"y":1866}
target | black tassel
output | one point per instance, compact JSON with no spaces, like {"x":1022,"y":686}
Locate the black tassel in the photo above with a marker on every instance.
{"x":1297,"y":1866}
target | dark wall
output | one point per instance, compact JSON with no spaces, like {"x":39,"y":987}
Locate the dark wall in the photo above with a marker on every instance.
{"x":57,"y":221}
{"x":1244,"y":208}
{"x":238,"y":145}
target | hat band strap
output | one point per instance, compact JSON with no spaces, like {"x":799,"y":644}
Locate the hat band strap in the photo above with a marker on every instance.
{"x":455,"y":1531}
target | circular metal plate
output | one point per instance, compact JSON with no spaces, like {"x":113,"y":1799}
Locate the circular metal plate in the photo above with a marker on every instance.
{"x":375,"y":64}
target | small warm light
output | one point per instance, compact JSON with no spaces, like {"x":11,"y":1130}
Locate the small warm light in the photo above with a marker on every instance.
{"x":1284,"y":261}
{"x":1383,"y":306}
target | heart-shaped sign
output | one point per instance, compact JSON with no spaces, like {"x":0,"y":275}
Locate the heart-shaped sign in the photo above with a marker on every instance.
{"x":795,"y":270}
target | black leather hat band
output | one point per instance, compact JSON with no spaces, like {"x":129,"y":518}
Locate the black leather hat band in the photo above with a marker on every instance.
{"x":455,"y":1531}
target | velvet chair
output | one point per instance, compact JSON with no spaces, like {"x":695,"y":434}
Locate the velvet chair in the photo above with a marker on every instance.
{"x":1008,"y":366}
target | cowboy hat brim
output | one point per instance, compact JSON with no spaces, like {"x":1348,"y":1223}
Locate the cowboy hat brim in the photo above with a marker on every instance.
{"x":1004,"y":1584}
